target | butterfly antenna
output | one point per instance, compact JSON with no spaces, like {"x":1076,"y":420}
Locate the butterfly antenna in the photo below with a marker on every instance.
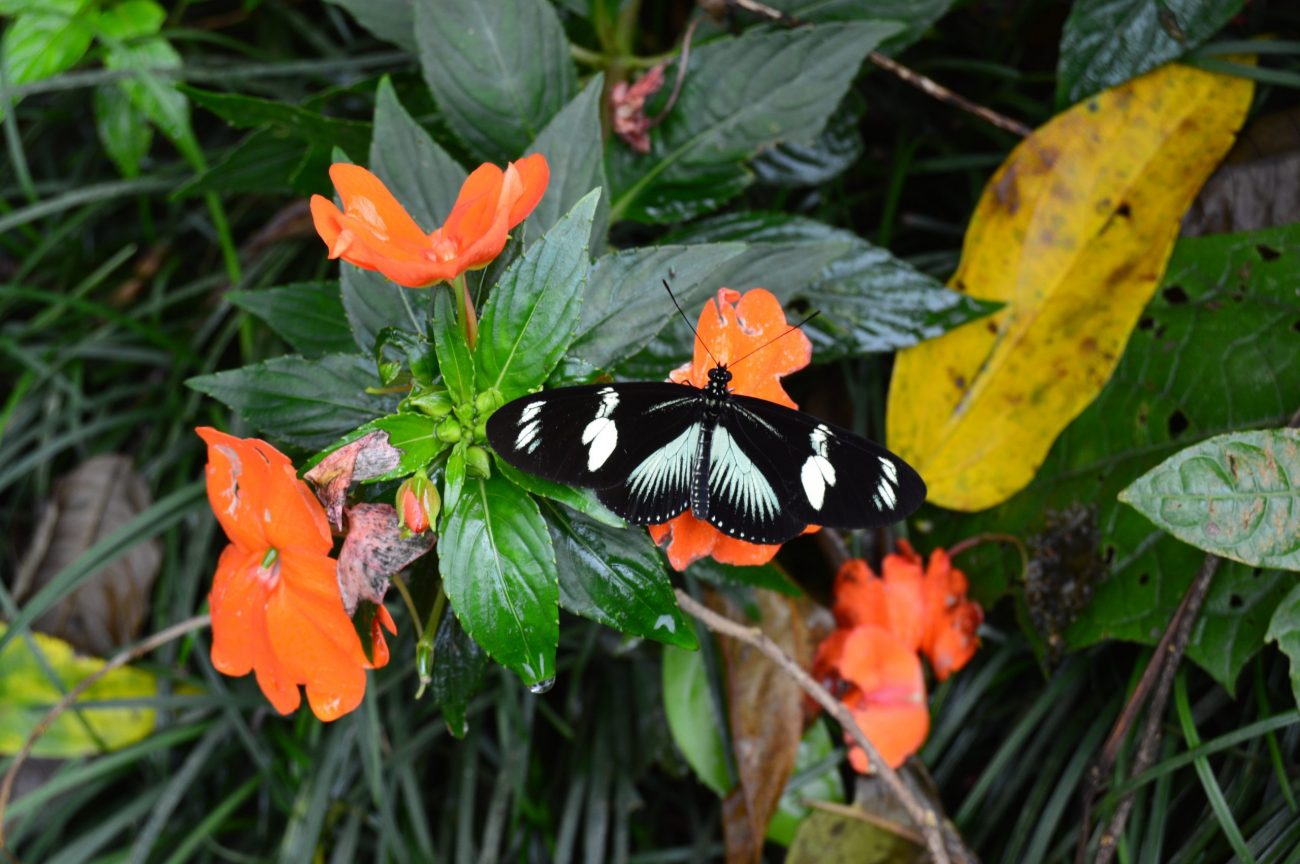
{"x":687,"y":319}
{"x":734,"y":363}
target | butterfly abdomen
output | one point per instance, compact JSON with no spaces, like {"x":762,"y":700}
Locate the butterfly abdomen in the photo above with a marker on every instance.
{"x":700,"y":467}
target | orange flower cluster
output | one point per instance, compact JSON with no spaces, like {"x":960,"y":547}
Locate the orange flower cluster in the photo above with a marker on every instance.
{"x":884,"y":624}
{"x":276,"y":607}
{"x":731,"y":327}
{"x":375,"y":232}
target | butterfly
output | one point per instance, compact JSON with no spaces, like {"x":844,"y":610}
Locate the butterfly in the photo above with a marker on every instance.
{"x":753,"y":469}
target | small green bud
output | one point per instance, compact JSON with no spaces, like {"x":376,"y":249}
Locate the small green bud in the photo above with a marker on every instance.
{"x":488,"y":401}
{"x":480,"y":430}
{"x":418,"y":504}
{"x":477,"y":463}
{"x":434,"y":403}
{"x":449,"y":430}
{"x":424,"y":662}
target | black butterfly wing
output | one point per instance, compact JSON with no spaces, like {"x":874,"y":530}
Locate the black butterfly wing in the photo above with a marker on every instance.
{"x":634,"y":443}
{"x":820,"y":473}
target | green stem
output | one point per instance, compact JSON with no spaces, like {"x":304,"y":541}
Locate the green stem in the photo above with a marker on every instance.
{"x":465,"y":308}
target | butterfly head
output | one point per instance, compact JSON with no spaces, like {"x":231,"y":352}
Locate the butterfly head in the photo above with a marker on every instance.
{"x":719,"y":378}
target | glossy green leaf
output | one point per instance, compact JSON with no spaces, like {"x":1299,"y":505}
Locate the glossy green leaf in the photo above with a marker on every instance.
{"x":242,"y":111}
{"x":27,"y":693}
{"x":498,"y":569}
{"x":1236,"y":495}
{"x":458,"y":667}
{"x":414,"y":435}
{"x":123,"y":129}
{"x":1107,"y":42}
{"x":532,"y":315}
{"x":454,"y":360}
{"x":688,"y":706}
{"x":626,"y":305}
{"x":372,"y":303}
{"x":575,"y":151}
{"x":41,"y":43}
{"x":819,"y":158}
{"x":305,"y":402}
{"x":1214,"y":351}
{"x":130,"y":19}
{"x":1284,"y":629}
{"x":423,"y":177}
{"x":615,"y":576}
{"x":582,"y":500}
{"x":307,"y":315}
{"x":390,"y":20}
{"x":742,"y":94}
{"x":499,"y":71}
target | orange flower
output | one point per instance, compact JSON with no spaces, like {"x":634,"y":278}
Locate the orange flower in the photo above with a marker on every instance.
{"x":927,"y":610}
{"x":276,"y":609}
{"x":731,"y":328}
{"x":884,"y":689}
{"x":374,"y":232}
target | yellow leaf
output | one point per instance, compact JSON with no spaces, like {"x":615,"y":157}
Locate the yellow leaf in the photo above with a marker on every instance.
{"x":1072,"y":233}
{"x":27,"y":693}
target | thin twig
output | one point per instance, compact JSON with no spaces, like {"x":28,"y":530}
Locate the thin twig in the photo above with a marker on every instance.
{"x":919,"y":811}
{"x":850,"y":812}
{"x":1157,"y":679}
{"x":120,"y":659}
{"x":943,"y":94}
{"x":652,"y":122}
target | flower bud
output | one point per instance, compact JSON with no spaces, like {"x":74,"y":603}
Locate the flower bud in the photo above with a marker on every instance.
{"x":449,"y":430}
{"x":434,"y":403}
{"x":477,"y":463}
{"x":488,"y":401}
{"x":424,"y":662}
{"x":418,"y":504}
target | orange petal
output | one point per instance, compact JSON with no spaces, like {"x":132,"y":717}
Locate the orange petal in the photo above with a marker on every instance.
{"x":897,"y":731}
{"x":295,"y":519}
{"x":535,"y":174}
{"x":954,"y":643}
{"x":691,"y":539}
{"x":889,"y":702}
{"x":237,"y":485}
{"x":760,"y":319}
{"x":860,"y":596}
{"x":479,"y":249}
{"x":905,"y":598}
{"x":366,"y":198}
{"x":476,"y":206}
{"x":327,"y":218}
{"x":238,"y":607}
{"x":379,"y":646}
{"x":732,"y":550}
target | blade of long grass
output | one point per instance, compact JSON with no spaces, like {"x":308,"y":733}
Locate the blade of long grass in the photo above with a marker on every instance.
{"x":211,"y":823}
{"x":83,"y":847}
{"x":328,"y":769}
{"x":196,"y":762}
{"x":1209,"y":783}
{"x":107,"y":191}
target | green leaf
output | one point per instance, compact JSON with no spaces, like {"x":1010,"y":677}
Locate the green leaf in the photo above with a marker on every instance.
{"x":531,"y":317}
{"x":575,"y":151}
{"x":816,"y":777}
{"x":390,"y":20}
{"x":454,"y":360}
{"x":156,"y":97}
{"x":241,"y":111}
{"x":373,"y":304}
{"x":582,"y":500}
{"x":39,"y":44}
{"x":1213,"y":352}
{"x":123,"y":130}
{"x":305,"y":402}
{"x":1236,"y":495}
{"x":499,"y":71}
{"x":742,"y":94}
{"x":307,"y":315}
{"x":625,"y":304}
{"x":498,"y":569}
{"x":130,"y":20}
{"x":418,"y":172}
{"x":688,"y":707}
{"x":453,"y":482}
{"x":1107,"y":42}
{"x":819,"y":158}
{"x":916,"y":16}
{"x":262,"y":163}
{"x":414,"y":435}
{"x":615,"y":577}
{"x":869,"y":300}
{"x":1284,"y":629}
{"x":27,"y":693}
{"x":458,"y":667}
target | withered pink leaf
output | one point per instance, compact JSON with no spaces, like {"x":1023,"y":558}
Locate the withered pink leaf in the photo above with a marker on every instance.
{"x":369,"y":456}
{"x":628,"y":108}
{"x":373,"y":550}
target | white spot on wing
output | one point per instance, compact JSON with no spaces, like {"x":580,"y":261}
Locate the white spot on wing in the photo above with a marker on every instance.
{"x":888,"y":479}
{"x":817,"y":472}
{"x":601,"y":433}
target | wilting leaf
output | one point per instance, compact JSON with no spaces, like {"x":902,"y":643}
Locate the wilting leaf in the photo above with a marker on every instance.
{"x":1072,"y":233}
{"x":97,"y":498}
{"x":1254,"y":188}
{"x":1237,"y":495}
{"x":840,"y":838}
{"x":27,"y":693}
{"x":369,"y":456}
{"x":373,"y":550}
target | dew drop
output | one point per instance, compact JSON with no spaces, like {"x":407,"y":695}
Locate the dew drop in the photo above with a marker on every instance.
{"x":541,"y":686}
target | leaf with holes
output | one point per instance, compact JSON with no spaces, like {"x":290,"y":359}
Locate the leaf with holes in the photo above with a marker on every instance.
{"x":1214,"y":351}
{"x":1072,"y":233}
{"x":1237,"y":495}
